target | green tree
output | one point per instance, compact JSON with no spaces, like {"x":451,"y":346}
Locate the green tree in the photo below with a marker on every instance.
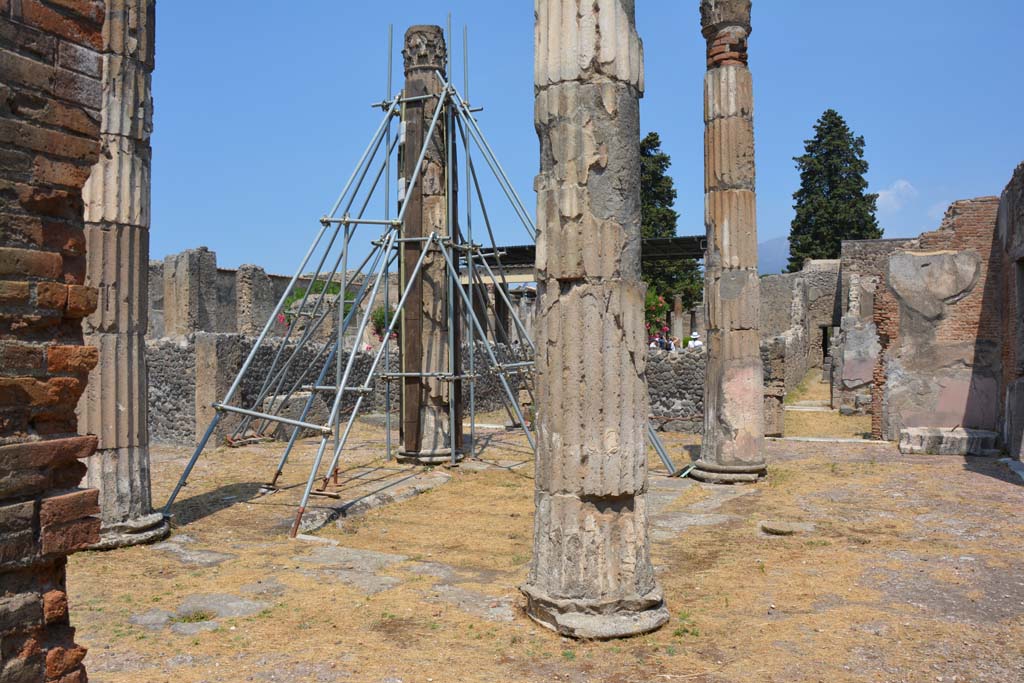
{"x":832,"y":204}
{"x":658,"y":219}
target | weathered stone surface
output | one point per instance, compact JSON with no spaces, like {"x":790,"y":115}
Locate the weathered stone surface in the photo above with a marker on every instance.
{"x":591,"y":574}
{"x":585,"y":44}
{"x":734,"y":398}
{"x":190,"y":292}
{"x":113,"y":406}
{"x":179,"y":546}
{"x":926,"y":282}
{"x":117,"y":198}
{"x":118,"y":190}
{"x":220,"y":605}
{"x":1013,"y":429}
{"x":427,"y":431}
{"x":595,"y":445}
{"x":939,"y":441}
{"x":581,"y":203}
{"x":255,"y":299}
{"x":130,"y":29}
{"x":118,"y":267}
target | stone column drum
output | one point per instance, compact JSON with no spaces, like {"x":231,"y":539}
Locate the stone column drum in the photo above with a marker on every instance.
{"x":591,"y":575}
{"x":116,"y":196}
{"x":427,"y":435}
{"x":733,"y":448}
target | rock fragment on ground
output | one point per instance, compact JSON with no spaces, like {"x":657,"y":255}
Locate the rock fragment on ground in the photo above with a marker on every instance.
{"x":775,"y":527}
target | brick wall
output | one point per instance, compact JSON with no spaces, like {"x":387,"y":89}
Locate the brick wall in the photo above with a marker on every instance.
{"x":49,"y":140}
{"x":1010,"y":230}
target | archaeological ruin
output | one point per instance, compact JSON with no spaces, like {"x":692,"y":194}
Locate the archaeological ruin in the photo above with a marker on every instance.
{"x":732,"y":449}
{"x":235,"y":441}
{"x":591,"y":575}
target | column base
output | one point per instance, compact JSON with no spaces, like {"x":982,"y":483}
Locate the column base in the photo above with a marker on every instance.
{"x":437,"y":456}
{"x":594,"y":620}
{"x":139,"y":531}
{"x":711,"y":473}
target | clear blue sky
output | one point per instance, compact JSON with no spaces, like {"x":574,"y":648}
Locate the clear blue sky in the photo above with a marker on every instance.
{"x":261,"y":107}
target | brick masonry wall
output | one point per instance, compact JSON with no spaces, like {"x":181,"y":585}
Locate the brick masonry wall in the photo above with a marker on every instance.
{"x":1010,"y":231}
{"x":49,"y":140}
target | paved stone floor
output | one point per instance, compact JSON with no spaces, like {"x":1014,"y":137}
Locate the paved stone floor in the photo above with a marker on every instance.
{"x":851,"y":563}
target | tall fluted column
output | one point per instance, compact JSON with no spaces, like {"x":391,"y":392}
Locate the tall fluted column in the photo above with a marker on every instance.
{"x":591,"y":575}
{"x":117,"y":264}
{"x":733,"y":449}
{"x":427,"y":435}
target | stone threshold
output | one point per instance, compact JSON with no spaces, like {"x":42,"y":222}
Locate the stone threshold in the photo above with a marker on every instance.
{"x":1014,"y":465}
{"x":822,"y":439}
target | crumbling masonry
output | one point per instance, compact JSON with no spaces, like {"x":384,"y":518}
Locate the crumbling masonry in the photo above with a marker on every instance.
{"x":117,"y":264}
{"x":591,"y":574}
{"x":50,"y":102}
{"x":733,"y":444}
{"x":427,"y":432}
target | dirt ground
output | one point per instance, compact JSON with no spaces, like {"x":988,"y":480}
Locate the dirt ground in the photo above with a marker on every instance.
{"x":912,"y":571}
{"x":807,"y":414}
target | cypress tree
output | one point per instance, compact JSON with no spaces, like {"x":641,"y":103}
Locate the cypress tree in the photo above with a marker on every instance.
{"x":658,"y":219}
{"x":832,"y":204}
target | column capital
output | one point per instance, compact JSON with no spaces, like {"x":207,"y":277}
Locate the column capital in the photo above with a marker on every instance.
{"x":725,"y":25}
{"x":424,"y":49}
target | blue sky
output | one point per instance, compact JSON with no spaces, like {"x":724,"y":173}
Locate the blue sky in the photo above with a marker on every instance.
{"x":262,"y":107}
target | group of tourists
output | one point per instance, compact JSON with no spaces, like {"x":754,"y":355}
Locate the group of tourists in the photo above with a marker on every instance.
{"x":667,"y":343}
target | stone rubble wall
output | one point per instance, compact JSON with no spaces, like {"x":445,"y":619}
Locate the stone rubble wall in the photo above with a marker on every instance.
{"x":172,"y":396}
{"x":50,"y":101}
{"x":187,"y":374}
{"x":675,"y":382}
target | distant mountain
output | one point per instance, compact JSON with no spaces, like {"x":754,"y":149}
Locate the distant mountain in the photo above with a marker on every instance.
{"x":773,"y":256}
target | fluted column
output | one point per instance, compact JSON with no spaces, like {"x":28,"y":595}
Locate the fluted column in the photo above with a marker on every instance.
{"x":733,"y":448}
{"x":427,"y":432}
{"x":591,"y":575}
{"x":117,"y":264}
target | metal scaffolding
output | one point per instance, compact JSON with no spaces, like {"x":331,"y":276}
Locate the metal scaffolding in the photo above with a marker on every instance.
{"x":313,"y":357}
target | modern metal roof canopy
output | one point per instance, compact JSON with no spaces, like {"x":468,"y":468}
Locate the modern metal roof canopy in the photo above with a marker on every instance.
{"x":651,"y":249}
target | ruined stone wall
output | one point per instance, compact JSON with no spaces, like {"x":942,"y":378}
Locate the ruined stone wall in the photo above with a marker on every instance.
{"x":794,"y":309}
{"x":940,"y":326}
{"x":50,"y":100}
{"x":172,"y":381}
{"x":1010,"y":232}
{"x":821,"y":286}
{"x":187,"y":374}
{"x":857,"y":344}
{"x":675,"y":382}
{"x":189,"y":293}
{"x":155,"y":324}
{"x":777,"y":292}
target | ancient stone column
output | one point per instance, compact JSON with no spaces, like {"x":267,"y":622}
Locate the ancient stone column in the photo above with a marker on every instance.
{"x":117,"y":264}
{"x":733,"y":388}
{"x":591,"y":575}
{"x":678,"y":323}
{"x":427,"y":435}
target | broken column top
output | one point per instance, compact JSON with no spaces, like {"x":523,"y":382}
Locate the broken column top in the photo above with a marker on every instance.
{"x":596,"y":44}
{"x":726,"y":25}
{"x":424,"y":49}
